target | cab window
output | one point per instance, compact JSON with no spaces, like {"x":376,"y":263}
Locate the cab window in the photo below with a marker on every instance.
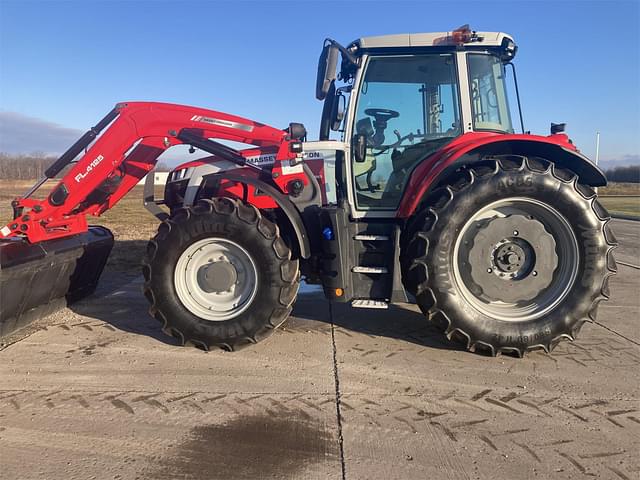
{"x":407,"y":108}
{"x":489,"y":104}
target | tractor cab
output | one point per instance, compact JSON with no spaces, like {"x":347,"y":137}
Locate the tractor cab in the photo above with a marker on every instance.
{"x":390,"y":103}
{"x":396,"y":99}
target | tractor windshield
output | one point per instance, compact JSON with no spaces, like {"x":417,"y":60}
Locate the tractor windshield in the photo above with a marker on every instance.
{"x":407,"y":106}
{"x":489,"y":104}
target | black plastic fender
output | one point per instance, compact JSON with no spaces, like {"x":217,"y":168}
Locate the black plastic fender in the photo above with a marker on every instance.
{"x":287,"y":206}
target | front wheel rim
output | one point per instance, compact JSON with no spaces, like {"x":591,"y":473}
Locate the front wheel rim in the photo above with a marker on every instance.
{"x":559,"y":252}
{"x":216,"y":279}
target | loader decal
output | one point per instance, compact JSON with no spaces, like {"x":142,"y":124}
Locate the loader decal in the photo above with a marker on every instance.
{"x":221,"y":122}
{"x":96,"y":161}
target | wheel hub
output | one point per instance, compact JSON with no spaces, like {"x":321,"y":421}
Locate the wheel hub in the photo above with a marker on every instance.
{"x":511,"y":259}
{"x":217,"y":277}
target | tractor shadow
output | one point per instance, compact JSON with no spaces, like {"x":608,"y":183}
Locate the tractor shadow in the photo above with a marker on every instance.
{"x":399,"y":322}
{"x":403,"y":322}
{"x":119,"y":302}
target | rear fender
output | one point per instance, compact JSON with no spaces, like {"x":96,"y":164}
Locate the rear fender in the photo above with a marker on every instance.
{"x":440,"y":167}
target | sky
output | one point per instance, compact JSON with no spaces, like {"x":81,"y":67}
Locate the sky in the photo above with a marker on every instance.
{"x":63,"y":65}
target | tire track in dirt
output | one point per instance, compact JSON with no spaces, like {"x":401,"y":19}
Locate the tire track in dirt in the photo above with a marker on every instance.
{"x":468,"y":426}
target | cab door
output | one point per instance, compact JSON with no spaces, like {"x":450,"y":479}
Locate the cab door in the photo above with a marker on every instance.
{"x":406,"y":107}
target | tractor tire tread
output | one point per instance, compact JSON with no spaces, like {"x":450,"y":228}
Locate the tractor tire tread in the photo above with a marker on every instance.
{"x":415,"y":270}
{"x":247,"y":214}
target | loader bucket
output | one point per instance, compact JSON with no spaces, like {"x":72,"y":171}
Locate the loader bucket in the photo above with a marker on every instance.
{"x":38,"y":279}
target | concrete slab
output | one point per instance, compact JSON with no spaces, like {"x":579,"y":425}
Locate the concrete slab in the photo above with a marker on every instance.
{"x":102,"y":393}
{"x":628,"y":234}
{"x":99,"y":392}
{"x":622,"y":312}
{"x":413,"y":406}
{"x":414,"y":409}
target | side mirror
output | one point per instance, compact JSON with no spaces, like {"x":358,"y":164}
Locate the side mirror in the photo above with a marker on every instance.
{"x":327,"y":65}
{"x":360,"y":148}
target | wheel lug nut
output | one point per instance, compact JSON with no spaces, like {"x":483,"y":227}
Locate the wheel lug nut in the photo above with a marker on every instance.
{"x":516,"y":233}
{"x":534,"y":273}
{"x":489,"y":270}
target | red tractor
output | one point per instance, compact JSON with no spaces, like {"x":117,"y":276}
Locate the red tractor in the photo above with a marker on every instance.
{"x":429,"y":196}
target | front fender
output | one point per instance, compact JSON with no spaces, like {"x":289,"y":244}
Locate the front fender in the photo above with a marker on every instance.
{"x":280,"y":199}
{"x":472,"y":147}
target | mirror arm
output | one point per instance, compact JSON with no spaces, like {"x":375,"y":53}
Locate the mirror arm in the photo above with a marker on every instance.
{"x":346,"y":53}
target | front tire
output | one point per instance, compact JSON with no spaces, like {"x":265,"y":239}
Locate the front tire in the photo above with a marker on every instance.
{"x":514,"y":255}
{"x":218,"y":274}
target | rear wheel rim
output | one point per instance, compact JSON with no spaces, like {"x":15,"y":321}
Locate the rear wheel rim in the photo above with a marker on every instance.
{"x":216,"y":279}
{"x":516,"y":275}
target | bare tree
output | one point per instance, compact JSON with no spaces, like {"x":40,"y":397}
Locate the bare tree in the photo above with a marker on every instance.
{"x":630,"y":174}
{"x":24,"y":166}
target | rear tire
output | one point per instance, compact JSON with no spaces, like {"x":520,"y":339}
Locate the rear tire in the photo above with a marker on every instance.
{"x":250,"y":256}
{"x":496,"y":301}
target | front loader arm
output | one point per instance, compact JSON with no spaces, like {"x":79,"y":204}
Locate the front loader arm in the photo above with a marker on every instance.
{"x":135,"y":135}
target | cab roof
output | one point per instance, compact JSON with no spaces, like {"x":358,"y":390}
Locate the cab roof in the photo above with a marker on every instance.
{"x":436,"y":39}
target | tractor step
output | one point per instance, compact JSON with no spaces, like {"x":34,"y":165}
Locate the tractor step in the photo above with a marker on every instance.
{"x":369,"y":303}
{"x":360,"y":259}
{"x":362,"y":269}
{"x":374,"y":238}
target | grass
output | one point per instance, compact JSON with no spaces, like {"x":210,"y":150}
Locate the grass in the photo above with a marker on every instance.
{"x":622,"y":205}
{"x":620,"y":189}
{"x":617,"y":198}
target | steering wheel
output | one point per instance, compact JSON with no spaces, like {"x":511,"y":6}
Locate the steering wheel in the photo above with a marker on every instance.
{"x":381,"y":117}
{"x":382,"y":114}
